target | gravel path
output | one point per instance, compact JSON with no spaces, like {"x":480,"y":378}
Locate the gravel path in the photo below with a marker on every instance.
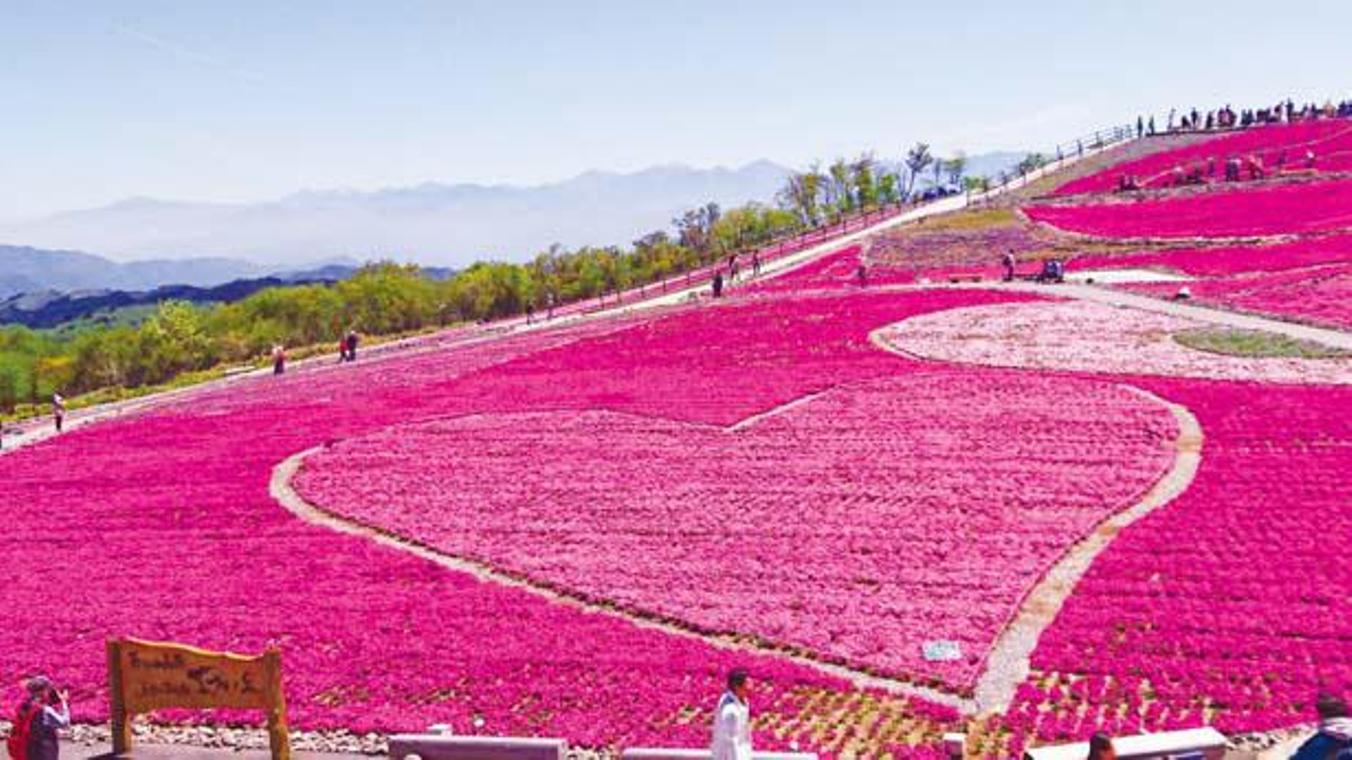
{"x":1328,"y":337}
{"x":282,"y":490}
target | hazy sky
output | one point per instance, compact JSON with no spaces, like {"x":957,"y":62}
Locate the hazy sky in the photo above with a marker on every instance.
{"x":250,"y":100}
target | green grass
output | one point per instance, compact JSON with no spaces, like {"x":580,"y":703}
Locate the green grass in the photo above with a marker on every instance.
{"x":970,"y":219}
{"x":1256,"y":344}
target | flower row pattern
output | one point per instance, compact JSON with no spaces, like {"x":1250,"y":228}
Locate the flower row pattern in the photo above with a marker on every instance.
{"x":1278,"y":210}
{"x":1330,"y":141}
{"x":855,"y":525}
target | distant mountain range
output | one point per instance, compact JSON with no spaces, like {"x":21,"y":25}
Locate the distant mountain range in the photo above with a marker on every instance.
{"x":430,"y":223}
{"x":25,"y":269}
{"x":445,"y":224}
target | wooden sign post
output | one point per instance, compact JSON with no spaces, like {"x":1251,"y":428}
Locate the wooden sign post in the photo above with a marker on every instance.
{"x":148,"y":675}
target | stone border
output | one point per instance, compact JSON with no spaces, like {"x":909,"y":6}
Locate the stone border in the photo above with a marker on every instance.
{"x":1010,"y":657}
{"x":285,"y":494}
{"x":1006,"y":666}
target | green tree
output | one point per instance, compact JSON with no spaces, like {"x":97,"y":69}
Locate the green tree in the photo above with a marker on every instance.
{"x":888,"y":188}
{"x":842,"y":187}
{"x":955,"y":167}
{"x":865,"y":183}
{"x":918,"y":158}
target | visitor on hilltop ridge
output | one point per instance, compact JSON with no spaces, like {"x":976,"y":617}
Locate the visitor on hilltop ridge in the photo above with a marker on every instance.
{"x":278,"y":359}
{"x":58,"y":411}
{"x":43,"y":712}
{"x":1101,"y":747}
{"x":1334,"y":738}
{"x":732,"y":720}
{"x":350,"y":344}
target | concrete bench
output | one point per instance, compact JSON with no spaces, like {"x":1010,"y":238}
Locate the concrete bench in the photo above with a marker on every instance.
{"x":448,"y":747}
{"x":1202,"y":743}
{"x":655,"y":753}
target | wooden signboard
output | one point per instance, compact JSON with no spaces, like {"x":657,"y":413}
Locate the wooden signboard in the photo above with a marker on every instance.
{"x":149,"y":675}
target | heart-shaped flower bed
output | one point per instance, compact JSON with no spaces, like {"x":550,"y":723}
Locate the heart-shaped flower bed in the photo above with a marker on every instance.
{"x":856,"y":525}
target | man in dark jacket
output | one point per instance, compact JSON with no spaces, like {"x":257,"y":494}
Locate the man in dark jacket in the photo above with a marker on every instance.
{"x":1334,"y":740}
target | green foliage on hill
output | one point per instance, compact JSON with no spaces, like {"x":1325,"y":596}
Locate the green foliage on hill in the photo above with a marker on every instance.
{"x":182,"y":340}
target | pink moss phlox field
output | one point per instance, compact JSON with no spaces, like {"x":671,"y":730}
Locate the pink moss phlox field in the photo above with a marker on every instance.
{"x":834,"y":271}
{"x":1320,"y":295}
{"x":1255,"y":211}
{"x":161,"y":525}
{"x":819,"y":527}
{"x":1330,"y":141}
{"x":1230,"y":259}
{"x":1084,"y":336}
{"x":1231,"y":599}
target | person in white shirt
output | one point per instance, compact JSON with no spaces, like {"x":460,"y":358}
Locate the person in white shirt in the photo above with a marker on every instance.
{"x":58,"y":410}
{"x":732,"y":720}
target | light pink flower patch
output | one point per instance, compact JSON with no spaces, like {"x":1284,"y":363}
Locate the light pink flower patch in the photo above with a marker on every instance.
{"x":856,"y":525}
{"x":1084,"y":336}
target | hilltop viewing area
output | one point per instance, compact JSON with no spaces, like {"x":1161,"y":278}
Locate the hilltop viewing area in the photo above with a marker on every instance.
{"x":918,"y":454}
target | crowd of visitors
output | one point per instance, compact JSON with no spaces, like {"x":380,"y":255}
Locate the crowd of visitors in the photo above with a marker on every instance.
{"x":1236,"y":168}
{"x":1226,"y":117}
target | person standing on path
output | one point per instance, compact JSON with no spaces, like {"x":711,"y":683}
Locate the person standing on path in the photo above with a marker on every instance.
{"x":732,"y":720}
{"x":718,"y":283}
{"x":1008,"y":262}
{"x":58,"y":410}
{"x":350,"y":343}
{"x":44,"y":712}
{"x":278,"y":359}
{"x":1334,"y":738}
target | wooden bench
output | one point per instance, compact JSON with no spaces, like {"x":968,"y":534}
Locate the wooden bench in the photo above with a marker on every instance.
{"x":449,"y":747}
{"x":655,"y":753}
{"x":1202,"y":743}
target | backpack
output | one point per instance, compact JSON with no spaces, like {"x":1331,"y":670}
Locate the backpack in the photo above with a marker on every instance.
{"x":22,"y":732}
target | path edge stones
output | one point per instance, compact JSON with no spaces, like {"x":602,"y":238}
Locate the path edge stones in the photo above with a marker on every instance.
{"x":281,"y":489}
{"x":1010,"y":660}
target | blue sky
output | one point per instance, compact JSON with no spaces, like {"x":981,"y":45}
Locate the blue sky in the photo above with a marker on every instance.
{"x":254,"y":100}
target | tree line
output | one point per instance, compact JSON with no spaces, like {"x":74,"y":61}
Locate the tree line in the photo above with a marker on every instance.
{"x":379,"y":299}
{"x":386,"y":298}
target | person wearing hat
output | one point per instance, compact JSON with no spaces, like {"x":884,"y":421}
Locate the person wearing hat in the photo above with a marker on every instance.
{"x":50,"y":712}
